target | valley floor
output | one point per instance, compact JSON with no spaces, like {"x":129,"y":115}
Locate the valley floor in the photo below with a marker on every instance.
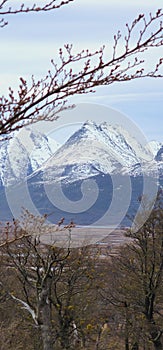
{"x":105,"y":238}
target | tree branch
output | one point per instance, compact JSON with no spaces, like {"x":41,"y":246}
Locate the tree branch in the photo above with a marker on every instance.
{"x":46,"y":98}
{"x":6,"y":10}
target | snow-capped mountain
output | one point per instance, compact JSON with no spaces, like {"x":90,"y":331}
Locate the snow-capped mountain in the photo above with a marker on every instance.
{"x":94,"y":152}
{"x":154,"y":167}
{"x":23,"y":154}
{"x":91,"y":150}
{"x":95,"y":149}
{"x":56,"y":173}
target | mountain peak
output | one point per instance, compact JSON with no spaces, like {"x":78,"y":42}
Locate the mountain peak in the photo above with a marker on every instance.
{"x":23,"y":154}
{"x":89,"y":124}
{"x":108,"y":148}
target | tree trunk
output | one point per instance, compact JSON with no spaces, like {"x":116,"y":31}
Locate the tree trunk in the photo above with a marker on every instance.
{"x":98,"y":338}
{"x":154,"y":331}
{"x":126,"y":343}
{"x":45,"y":316}
{"x":135,"y":346}
{"x":157,"y":343}
{"x":65,"y":340}
{"x":46,"y":330}
{"x":156,"y":336}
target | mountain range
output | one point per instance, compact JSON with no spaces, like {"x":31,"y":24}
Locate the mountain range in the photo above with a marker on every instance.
{"x":94,"y":152}
{"x":101,"y":149}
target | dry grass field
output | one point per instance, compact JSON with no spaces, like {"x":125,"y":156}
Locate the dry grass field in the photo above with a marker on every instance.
{"x":107,"y":238}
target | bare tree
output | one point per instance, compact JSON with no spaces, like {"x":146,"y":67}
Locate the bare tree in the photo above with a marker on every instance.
{"x":136,"y":282}
{"x":79,"y":73}
{"x":53,"y":285}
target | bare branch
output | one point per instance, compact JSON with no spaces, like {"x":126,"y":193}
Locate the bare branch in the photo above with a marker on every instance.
{"x":46,"y":98}
{"x":25,"y":306}
{"x":49,"y":6}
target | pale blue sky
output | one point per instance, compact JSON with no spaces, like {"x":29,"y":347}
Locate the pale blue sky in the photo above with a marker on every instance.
{"x":30,"y":41}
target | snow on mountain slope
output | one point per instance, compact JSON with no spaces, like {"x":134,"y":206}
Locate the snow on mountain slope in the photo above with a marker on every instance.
{"x":154,"y":167}
{"x":154,"y":147}
{"x":23,"y":154}
{"x":125,"y":146}
{"x":91,"y":150}
{"x":159,"y":155}
{"x":95,"y":149}
{"x":38,"y":146}
{"x":159,"y":160}
{"x":84,"y":146}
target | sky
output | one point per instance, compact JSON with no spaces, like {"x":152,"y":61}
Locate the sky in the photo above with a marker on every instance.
{"x":29,"y":42}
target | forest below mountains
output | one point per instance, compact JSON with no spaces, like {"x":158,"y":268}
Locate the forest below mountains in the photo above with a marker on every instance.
{"x":63,"y":298}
